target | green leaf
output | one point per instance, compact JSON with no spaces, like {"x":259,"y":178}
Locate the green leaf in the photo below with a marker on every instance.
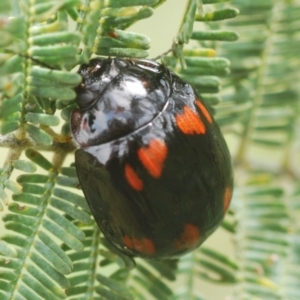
{"x":119,"y":291}
{"x":27,"y":198}
{"x":59,"y":51}
{"x":23,"y":219}
{"x":43,"y":119}
{"x":32,"y":178}
{"x":25,"y":166}
{"x":65,"y":224}
{"x":223,"y":14}
{"x":216,"y":35}
{"x":38,"y":135}
{"x":58,"y":263}
{"x":124,"y":15}
{"x":11,"y":105}
{"x":8,"y":127}
{"x":49,"y":92}
{"x":19,"y":228}
{"x":220,"y":257}
{"x":64,"y":236}
{"x":23,"y":210}
{"x":71,"y":210}
{"x":7,"y":250}
{"x":127,"y":52}
{"x":70,"y":172}
{"x":68,"y":78}
{"x":122,"y":39}
{"x":39,"y":159}
{"x":55,"y":38}
{"x":50,"y":271}
{"x":13,"y":186}
{"x":71,"y":197}
{"x":124,"y":3}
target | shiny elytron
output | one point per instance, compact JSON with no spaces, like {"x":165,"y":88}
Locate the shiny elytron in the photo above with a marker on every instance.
{"x":152,"y":163}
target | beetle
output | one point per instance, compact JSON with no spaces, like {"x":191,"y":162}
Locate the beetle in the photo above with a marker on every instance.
{"x":153,"y":164}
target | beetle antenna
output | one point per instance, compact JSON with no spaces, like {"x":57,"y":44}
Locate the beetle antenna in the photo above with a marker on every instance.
{"x":163,"y":54}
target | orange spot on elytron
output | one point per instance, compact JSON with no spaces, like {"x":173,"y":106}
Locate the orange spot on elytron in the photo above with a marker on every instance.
{"x":133,"y":179}
{"x":204,"y":111}
{"x":189,"y":238}
{"x":189,"y":122}
{"x":153,"y":156}
{"x":227,"y":198}
{"x":191,"y":234}
{"x":144,"y":246}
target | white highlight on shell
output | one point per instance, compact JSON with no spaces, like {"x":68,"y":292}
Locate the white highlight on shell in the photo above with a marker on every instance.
{"x":101,"y":152}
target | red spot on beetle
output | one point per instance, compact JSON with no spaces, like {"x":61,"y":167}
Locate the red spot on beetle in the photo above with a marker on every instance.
{"x":204,"y":111}
{"x":227,"y":198}
{"x":191,"y":234}
{"x":190,"y":237}
{"x":153,"y":156}
{"x":143,"y":246}
{"x":133,"y":179}
{"x":189,"y":122}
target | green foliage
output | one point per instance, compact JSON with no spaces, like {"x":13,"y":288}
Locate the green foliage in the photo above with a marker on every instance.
{"x":245,"y":65}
